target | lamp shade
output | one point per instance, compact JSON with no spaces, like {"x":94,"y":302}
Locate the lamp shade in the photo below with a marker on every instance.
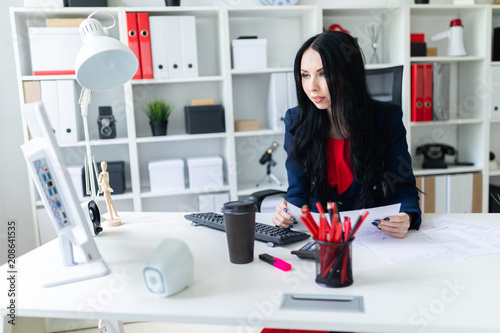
{"x":103,"y":62}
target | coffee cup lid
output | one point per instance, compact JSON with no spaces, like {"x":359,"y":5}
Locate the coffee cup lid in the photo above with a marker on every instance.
{"x":239,"y":207}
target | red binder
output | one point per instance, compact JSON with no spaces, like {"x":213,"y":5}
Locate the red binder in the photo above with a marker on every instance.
{"x":145,"y":45}
{"x":428,"y":72}
{"x":133,"y":41}
{"x":417,"y":92}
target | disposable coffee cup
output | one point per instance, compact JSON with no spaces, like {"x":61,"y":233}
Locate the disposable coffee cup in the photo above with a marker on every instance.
{"x":239,"y":219}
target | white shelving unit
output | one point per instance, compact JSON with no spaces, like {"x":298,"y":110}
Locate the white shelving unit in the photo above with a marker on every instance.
{"x":243,"y":93}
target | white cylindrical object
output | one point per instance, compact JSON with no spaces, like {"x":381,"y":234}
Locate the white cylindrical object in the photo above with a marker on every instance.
{"x":456,"y":43}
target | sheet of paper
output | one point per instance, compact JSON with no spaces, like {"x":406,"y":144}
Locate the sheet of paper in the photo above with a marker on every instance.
{"x":439,"y":239}
{"x":373,"y":214}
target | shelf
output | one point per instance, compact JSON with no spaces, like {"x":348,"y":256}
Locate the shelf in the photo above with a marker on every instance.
{"x":261,"y":71}
{"x":109,"y":142}
{"x":258,"y":133}
{"x":178,"y":80}
{"x":199,"y":11}
{"x":269,"y":11}
{"x":341,"y":9}
{"x":418,"y":171}
{"x":445,"y":122}
{"x":145,"y":193}
{"x":429,"y":9}
{"x":249,"y":188}
{"x":495,"y":63}
{"x":382,"y":65}
{"x":47,"y":77}
{"x":446,"y":59}
{"x":128,"y":195}
{"x":495,"y":173}
{"x":494,"y":120}
{"x":181,"y":137}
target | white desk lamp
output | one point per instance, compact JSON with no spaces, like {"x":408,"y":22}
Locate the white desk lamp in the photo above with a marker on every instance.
{"x":102,"y":63}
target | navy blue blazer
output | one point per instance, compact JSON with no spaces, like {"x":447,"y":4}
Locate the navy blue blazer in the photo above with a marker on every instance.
{"x":401,"y":185}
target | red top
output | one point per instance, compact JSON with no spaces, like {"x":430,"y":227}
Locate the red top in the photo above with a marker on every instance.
{"x":339,"y":165}
{"x":456,"y":22}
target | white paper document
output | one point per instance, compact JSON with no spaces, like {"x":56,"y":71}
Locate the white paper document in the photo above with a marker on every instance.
{"x":438,"y":239}
{"x":376,"y":213}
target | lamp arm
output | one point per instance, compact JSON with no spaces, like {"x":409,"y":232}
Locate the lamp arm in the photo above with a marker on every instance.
{"x":90,"y":164}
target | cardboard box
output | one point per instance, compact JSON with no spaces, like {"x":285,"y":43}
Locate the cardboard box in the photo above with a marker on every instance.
{"x":63,"y":22}
{"x":205,"y":172}
{"x":54,"y":50}
{"x":166,"y":175}
{"x":246,"y":125}
{"x":31,"y":91}
{"x":432,"y":51}
{"x":249,"y":53}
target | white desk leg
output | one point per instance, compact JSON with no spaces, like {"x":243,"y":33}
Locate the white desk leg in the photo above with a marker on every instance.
{"x":5,"y":326}
{"x":113,"y":326}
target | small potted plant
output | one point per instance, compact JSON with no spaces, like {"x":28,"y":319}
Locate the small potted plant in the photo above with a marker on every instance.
{"x":158,"y":112}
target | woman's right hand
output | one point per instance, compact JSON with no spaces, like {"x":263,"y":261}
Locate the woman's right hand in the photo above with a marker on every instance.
{"x":281,"y":217}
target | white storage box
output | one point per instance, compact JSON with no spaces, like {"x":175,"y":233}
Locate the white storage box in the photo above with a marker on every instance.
{"x":249,"y":53}
{"x":75,"y":173}
{"x":205,"y":172}
{"x":166,"y":175}
{"x":54,"y":50}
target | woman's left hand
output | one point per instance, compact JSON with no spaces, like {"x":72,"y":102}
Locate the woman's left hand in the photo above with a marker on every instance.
{"x":396,"y":226}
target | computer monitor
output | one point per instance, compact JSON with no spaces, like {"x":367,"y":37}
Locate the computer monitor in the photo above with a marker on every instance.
{"x":79,"y":257}
{"x":385,"y":84}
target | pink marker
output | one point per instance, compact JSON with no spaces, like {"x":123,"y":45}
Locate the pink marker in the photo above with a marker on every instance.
{"x":276,"y":262}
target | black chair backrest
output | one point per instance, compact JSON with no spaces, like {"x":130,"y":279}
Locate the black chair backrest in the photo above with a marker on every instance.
{"x":385,"y":84}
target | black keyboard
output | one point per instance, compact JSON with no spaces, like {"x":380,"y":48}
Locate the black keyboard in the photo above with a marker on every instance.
{"x":263,"y":232}
{"x":306,"y":251}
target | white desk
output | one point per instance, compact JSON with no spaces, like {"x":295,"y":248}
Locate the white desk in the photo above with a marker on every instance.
{"x":439,"y":296}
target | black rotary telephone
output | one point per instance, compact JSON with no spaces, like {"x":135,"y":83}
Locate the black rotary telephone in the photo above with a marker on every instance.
{"x":434,"y":155}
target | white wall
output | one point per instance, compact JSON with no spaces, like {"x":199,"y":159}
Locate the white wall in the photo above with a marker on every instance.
{"x":14,"y":187}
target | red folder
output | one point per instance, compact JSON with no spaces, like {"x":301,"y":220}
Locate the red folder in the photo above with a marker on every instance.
{"x":133,"y":41}
{"x":428,"y":72}
{"x":417,"y":92}
{"x":145,"y":45}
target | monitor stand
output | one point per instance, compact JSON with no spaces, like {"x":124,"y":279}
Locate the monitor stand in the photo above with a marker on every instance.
{"x":56,"y":272}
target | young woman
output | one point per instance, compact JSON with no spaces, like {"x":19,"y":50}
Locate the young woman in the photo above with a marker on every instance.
{"x":342,"y":145}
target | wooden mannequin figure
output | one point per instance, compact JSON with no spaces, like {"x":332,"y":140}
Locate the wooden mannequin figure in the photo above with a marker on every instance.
{"x":104,"y":187}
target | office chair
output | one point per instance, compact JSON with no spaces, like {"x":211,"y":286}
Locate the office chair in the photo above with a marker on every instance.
{"x":267,"y":200}
{"x":384,"y":84}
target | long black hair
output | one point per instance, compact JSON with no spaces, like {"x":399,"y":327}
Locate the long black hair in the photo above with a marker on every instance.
{"x":352,"y":112}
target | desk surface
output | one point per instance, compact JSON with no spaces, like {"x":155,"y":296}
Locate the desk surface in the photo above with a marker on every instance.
{"x":438,"y":296}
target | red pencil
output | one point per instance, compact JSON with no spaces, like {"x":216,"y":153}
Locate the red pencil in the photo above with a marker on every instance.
{"x":320,"y":208}
{"x":309,"y":221}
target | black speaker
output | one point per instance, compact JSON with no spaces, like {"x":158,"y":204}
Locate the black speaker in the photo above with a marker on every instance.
{"x":85,"y":3}
{"x":496,"y":44}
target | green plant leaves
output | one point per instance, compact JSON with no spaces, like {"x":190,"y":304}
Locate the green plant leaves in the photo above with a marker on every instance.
{"x":158,"y":110}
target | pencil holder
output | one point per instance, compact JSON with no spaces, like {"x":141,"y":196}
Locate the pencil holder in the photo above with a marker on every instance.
{"x":333,"y":264}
